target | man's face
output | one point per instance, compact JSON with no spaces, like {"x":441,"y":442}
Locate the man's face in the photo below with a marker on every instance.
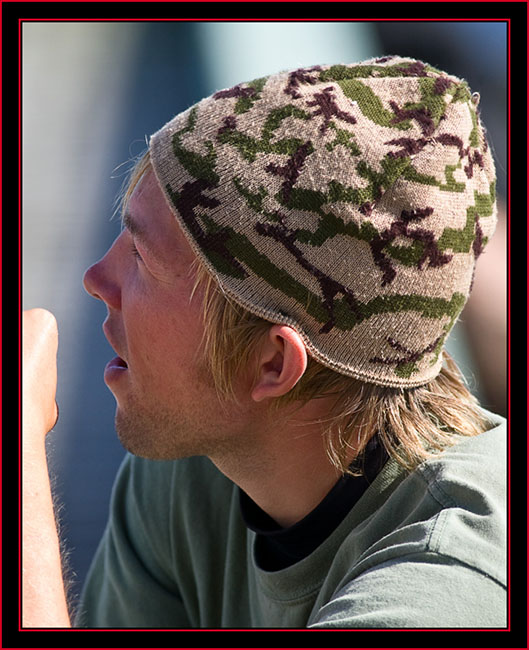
{"x":166,"y":403}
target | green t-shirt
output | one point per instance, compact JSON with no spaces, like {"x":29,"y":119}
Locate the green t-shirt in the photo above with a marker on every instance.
{"x":418,"y":550}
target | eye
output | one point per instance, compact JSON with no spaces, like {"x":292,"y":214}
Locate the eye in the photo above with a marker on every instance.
{"x":135,"y":251}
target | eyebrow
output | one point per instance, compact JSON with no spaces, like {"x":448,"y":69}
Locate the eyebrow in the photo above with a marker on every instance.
{"x":135,"y":229}
{"x":128,"y":222}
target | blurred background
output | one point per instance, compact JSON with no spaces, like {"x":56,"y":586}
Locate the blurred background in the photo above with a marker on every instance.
{"x":93,"y":92}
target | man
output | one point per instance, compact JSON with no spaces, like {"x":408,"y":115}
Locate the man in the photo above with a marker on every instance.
{"x":295,"y":252}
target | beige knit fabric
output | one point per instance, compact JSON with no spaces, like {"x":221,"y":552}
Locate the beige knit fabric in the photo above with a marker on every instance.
{"x":350,"y":202}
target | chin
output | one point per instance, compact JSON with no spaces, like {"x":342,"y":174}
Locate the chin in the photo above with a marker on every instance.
{"x":156,"y":438}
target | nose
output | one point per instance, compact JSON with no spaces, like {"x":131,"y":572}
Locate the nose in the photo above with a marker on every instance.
{"x":100,"y":281}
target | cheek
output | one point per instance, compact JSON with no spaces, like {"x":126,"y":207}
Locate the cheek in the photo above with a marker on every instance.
{"x":164,"y":333}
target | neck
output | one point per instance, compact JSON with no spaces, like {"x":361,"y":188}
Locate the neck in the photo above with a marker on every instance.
{"x":284,"y":467}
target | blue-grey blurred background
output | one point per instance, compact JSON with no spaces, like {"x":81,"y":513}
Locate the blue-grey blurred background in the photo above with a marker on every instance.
{"x":92,"y":93}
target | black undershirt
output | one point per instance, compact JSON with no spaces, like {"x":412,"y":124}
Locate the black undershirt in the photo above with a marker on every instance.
{"x":277,"y":548}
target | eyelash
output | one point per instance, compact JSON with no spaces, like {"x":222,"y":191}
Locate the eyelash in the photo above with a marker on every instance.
{"x":135,"y":251}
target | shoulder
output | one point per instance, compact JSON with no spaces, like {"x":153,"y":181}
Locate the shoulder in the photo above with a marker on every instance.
{"x":469,"y":477}
{"x":454,"y":505}
{"x":469,"y":482}
{"x":473,"y":465}
{"x":430,"y":547}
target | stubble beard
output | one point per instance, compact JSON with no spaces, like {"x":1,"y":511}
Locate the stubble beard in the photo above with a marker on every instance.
{"x":157,"y":436}
{"x":159,"y":428}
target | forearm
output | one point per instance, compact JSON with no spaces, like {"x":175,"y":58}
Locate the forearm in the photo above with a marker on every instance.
{"x":43,"y":598}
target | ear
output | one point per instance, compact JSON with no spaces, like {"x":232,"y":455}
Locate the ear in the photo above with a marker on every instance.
{"x":282,"y":362}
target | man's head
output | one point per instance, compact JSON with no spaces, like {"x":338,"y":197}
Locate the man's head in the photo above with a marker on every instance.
{"x":348,"y":203}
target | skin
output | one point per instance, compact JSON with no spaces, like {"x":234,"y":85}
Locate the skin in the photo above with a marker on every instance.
{"x":486,"y":326}
{"x":44,"y":602}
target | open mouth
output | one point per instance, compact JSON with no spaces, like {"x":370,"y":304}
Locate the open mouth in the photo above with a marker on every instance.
{"x":114,"y":370}
{"x":119,"y":363}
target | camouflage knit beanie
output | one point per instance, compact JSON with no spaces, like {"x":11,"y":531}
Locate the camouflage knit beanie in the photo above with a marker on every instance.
{"x":349,"y":201}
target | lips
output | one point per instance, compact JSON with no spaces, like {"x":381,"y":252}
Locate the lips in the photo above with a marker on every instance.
{"x":116,"y":371}
{"x":118,"y":362}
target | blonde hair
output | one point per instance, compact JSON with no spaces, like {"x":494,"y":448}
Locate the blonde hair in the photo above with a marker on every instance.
{"x":413,"y":424}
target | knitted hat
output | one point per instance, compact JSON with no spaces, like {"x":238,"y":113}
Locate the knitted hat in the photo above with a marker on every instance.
{"x":350,"y":202}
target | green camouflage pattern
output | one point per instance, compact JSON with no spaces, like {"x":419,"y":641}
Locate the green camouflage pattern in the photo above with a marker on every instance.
{"x":348,"y":201}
